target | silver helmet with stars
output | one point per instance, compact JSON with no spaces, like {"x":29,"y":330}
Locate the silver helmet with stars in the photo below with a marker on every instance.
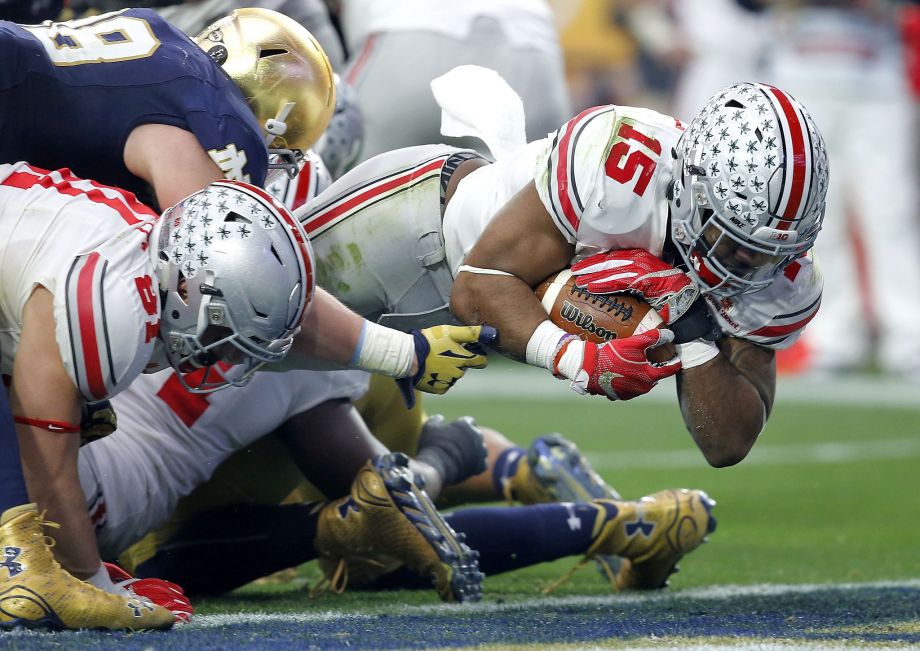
{"x":748,"y":193}
{"x":235,"y":274}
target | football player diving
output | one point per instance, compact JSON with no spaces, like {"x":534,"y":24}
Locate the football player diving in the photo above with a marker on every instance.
{"x":712,"y":225}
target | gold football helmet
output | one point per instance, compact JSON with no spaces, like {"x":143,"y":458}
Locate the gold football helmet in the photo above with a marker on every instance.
{"x":281,"y":70}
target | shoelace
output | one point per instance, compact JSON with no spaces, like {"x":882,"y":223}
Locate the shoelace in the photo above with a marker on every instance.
{"x":50,"y":541}
{"x":599,"y":559}
{"x":336,"y":583}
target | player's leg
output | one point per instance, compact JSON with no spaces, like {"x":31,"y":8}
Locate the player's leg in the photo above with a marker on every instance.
{"x":385,"y":523}
{"x":445,"y":452}
{"x":240,"y":507}
{"x":651,"y":534}
{"x":838,"y":336}
{"x":884,"y":201}
{"x":35,"y":591}
{"x":408,"y":115}
{"x":376,"y":236}
{"x":535,"y":73}
{"x":550,"y":469}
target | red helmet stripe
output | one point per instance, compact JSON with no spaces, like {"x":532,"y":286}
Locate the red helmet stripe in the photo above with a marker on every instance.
{"x":791,"y":202}
{"x":303,"y":185}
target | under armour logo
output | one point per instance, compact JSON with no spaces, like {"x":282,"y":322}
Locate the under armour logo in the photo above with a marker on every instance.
{"x":14,"y":567}
{"x":456,"y":355}
{"x":138,"y":606}
{"x":640,"y":525}
{"x":346,"y":506}
{"x":435,"y":381}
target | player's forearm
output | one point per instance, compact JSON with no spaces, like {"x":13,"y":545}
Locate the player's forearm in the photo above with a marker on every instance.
{"x":333,"y":333}
{"x":725,"y":403}
{"x":50,"y":467}
{"x":505,"y":302}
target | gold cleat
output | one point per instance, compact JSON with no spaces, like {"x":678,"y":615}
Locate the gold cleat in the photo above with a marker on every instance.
{"x":650,"y":536}
{"x":555,"y":470}
{"x":36,"y":592}
{"x":389,"y":521}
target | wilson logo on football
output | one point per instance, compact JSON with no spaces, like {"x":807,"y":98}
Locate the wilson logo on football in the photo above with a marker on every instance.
{"x":585,"y":321}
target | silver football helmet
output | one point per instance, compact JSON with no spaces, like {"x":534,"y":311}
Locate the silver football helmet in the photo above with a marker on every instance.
{"x":342,"y":141}
{"x":235,"y":273}
{"x":748,"y":189}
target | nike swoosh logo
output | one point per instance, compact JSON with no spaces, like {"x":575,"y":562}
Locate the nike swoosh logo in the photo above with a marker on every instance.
{"x":605,"y":381}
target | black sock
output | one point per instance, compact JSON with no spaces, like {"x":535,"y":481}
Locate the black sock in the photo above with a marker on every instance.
{"x":505,"y":466}
{"x":226,"y":547}
{"x":508,"y":538}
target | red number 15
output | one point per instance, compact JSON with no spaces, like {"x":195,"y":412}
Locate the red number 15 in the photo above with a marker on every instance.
{"x":622,"y":168}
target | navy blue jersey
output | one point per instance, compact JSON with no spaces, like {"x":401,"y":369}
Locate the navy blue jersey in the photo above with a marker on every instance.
{"x":70,"y":93}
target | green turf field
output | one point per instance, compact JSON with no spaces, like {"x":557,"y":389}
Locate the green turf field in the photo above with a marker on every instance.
{"x":812,"y":502}
{"x":828,"y":496}
{"x":818,"y":542}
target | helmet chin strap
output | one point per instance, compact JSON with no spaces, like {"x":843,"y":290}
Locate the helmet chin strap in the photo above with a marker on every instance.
{"x":277,"y":126}
{"x":158,"y":360}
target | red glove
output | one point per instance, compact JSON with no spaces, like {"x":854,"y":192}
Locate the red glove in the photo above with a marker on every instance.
{"x":635,"y":271}
{"x":163,"y":593}
{"x":618,"y":369}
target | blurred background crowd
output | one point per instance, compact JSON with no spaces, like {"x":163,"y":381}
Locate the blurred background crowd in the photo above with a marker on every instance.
{"x":855,"y":64}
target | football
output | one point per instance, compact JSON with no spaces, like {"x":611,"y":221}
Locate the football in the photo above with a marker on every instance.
{"x":598,"y":317}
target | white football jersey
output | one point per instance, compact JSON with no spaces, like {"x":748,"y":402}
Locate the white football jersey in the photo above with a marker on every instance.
{"x":527,"y":22}
{"x":86,"y":243}
{"x":603,"y":178}
{"x":312,"y":179}
{"x":169,"y":441}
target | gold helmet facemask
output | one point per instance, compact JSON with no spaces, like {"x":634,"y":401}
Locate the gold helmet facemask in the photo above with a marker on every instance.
{"x":283,"y":74}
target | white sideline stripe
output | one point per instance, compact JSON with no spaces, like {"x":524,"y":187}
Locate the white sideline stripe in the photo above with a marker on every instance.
{"x":711,"y":593}
{"x":521,"y":381}
{"x":763,"y":455}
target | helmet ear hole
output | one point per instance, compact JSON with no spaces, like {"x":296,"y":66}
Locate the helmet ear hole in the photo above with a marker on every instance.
{"x":264,"y":54}
{"x":182,"y":288}
{"x":274,"y":252}
{"x":235,"y":217}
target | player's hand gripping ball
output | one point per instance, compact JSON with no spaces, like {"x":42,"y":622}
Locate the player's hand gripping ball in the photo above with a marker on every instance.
{"x":599,"y":318}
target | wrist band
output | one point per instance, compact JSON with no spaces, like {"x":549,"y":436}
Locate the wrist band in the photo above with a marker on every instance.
{"x":384,"y":350}
{"x":695,"y":353}
{"x":50,"y":425}
{"x":570,"y":358}
{"x":543,"y":345}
